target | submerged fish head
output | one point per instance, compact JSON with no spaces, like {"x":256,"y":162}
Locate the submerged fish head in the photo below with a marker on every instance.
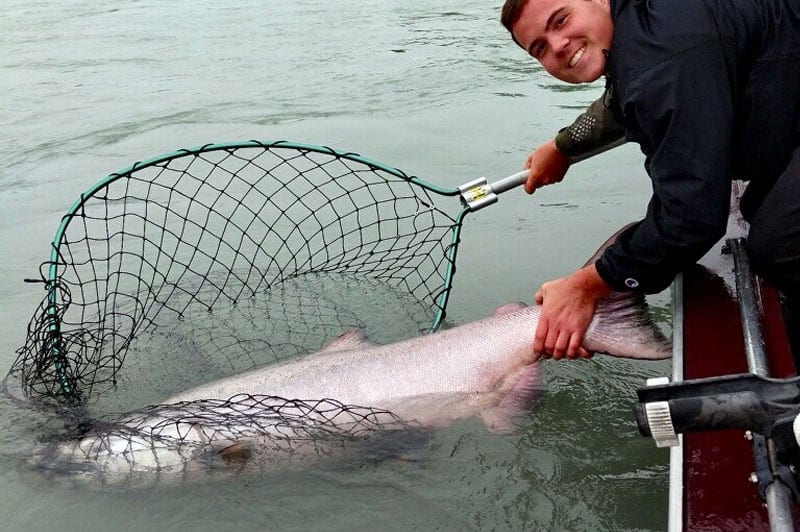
{"x":112,"y":455}
{"x":212,"y":439}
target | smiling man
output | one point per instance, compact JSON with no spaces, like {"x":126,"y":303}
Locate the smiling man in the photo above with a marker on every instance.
{"x":570,"y":39}
{"x":710,"y":90}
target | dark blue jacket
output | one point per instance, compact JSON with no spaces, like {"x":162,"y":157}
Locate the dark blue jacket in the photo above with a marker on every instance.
{"x":710,"y":89}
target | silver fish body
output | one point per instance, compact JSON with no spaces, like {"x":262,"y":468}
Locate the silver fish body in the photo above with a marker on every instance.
{"x":350,"y":394}
{"x":432,"y":380}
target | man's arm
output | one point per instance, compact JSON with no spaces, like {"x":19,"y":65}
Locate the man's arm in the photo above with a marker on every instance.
{"x":684,"y":112}
{"x":594,"y":128}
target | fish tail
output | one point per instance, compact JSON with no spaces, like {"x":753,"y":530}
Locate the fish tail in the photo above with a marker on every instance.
{"x":624,"y":327}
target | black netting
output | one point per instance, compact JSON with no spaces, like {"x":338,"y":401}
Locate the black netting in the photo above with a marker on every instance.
{"x":230,"y":256}
{"x":190,"y":441}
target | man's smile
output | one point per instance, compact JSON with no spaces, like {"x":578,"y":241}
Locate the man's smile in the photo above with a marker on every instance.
{"x":577,"y":56}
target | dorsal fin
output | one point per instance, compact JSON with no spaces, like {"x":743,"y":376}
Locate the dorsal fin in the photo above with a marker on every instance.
{"x":508,"y":307}
{"x":347,"y":341}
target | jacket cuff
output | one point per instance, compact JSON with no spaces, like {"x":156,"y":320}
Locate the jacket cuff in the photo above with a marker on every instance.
{"x":606,"y":275}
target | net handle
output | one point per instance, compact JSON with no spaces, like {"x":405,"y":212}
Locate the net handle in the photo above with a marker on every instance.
{"x":478,"y":193}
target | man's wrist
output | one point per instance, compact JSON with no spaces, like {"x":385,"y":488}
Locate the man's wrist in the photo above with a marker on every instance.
{"x":592,"y":282}
{"x":553,"y":147}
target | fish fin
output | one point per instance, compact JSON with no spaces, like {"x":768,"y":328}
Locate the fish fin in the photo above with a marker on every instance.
{"x":408,"y":445}
{"x":237,"y":453}
{"x":499,"y":420}
{"x":508,"y":307}
{"x":349,"y":340}
{"x":623,"y":327}
{"x":504,"y":418}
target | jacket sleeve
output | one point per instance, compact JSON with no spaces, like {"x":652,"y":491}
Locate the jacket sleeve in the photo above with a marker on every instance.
{"x":681,"y":113}
{"x":594,"y":128}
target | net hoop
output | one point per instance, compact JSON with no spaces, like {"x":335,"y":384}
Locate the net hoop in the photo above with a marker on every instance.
{"x":46,"y":366}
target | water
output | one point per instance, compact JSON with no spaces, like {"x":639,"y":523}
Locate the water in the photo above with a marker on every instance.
{"x":438,"y":90}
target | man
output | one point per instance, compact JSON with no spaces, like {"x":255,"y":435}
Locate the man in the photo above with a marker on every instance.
{"x":710,"y":90}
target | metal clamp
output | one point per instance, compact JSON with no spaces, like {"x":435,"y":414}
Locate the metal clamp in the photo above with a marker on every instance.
{"x":659,"y":418}
{"x":477,"y":194}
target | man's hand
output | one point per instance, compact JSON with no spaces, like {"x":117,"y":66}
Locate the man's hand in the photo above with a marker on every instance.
{"x":547,"y":164}
{"x":568,"y":305}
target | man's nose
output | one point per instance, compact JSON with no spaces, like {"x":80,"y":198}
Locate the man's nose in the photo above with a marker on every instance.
{"x":559,"y":44}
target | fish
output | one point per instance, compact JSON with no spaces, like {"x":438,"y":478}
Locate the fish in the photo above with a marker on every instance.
{"x":353,"y":393}
{"x":214,"y":439}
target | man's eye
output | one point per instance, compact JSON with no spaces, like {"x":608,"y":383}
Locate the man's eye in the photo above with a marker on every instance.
{"x":560,"y":21}
{"x":538,"y":50}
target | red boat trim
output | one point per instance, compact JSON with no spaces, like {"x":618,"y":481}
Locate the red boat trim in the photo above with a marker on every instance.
{"x":715,"y":491}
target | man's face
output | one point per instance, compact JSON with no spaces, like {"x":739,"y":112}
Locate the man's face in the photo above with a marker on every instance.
{"x":567,"y":36}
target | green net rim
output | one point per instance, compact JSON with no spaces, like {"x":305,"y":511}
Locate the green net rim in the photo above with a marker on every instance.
{"x":72,"y":211}
{"x":53,"y":275}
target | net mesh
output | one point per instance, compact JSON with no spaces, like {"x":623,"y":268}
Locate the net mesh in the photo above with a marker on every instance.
{"x":244,"y":250}
{"x":245,"y":433}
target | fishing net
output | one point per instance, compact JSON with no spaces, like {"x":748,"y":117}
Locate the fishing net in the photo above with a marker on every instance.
{"x":246,"y":433}
{"x":208,"y":262}
{"x":227,"y":257}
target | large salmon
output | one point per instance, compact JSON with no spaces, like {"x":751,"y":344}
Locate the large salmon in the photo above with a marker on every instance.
{"x":350,"y":390}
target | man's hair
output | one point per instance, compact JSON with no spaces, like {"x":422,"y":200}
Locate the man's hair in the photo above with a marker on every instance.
{"x":512,"y":9}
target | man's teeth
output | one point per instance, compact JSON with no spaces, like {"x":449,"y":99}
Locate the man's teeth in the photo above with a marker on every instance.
{"x":577,"y":56}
